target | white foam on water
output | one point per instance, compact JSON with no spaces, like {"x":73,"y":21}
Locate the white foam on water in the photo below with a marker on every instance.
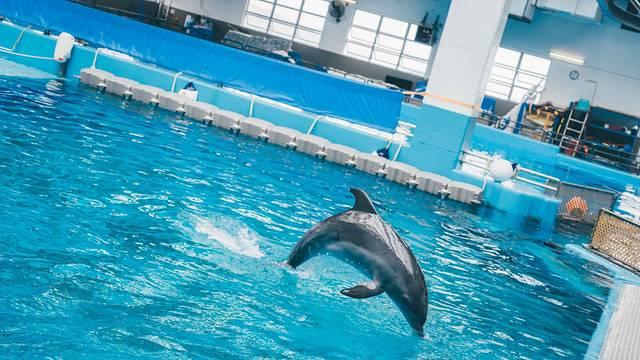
{"x":233,"y":235}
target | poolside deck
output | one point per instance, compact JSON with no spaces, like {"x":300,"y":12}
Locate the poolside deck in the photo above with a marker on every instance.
{"x":622,"y":340}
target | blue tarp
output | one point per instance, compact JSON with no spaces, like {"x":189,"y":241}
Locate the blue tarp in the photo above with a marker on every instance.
{"x":308,"y":89}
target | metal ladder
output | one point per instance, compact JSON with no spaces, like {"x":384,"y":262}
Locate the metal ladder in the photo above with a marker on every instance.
{"x":571,"y":137}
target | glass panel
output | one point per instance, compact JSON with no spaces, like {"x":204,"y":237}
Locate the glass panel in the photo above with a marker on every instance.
{"x":318,"y":7}
{"x":309,"y":37}
{"x":413,"y":66}
{"x":357,"y":50}
{"x":413,"y":30}
{"x":256,"y":22}
{"x":362,"y":35}
{"x":507,"y":57}
{"x":286,"y":15}
{"x":385,"y":58}
{"x":535,"y":64}
{"x":497,"y":90}
{"x":496,"y":95}
{"x":366,"y":20}
{"x":418,"y":50}
{"x":390,"y":43}
{"x":387,"y":42}
{"x":394,"y":27}
{"x":260,"y":7}
{"x":527,"y":81}
{"x":281,"y":29}
{"x":296,"y":4}
{"x":311,"y":21}
{"x":504,"y":74}
{"x":517,"y":94}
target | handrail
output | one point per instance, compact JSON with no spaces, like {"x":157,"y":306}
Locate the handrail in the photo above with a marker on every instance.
{"x":95,"y":57}
{"x":313,"y":124}
{"x":9,"y":51}
{"x":13,"y":51}
{"x":15,"y":44}
{"x":252,"y":105}
{"x":175,"y":80}
{"x":539,"y":174}
{"x":485,"y":167}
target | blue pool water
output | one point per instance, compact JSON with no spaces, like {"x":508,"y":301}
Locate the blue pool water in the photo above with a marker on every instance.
{"x":128,"y":232}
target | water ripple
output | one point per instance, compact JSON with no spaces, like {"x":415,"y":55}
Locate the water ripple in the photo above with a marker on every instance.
{"x":129,"y":232}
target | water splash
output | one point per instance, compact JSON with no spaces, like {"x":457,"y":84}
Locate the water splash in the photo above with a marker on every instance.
{"x":232,"y":234}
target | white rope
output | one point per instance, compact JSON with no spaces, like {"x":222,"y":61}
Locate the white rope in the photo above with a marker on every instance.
{"x":5,"y":50}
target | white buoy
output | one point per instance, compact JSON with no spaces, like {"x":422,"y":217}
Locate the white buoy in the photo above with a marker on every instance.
{"x":64,"y":46}
{"x":501,"y":170}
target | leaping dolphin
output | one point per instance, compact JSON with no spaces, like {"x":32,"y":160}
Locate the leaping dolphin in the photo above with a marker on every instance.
{"x":360,"y":237}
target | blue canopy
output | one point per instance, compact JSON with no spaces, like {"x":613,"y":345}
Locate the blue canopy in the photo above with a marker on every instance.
{"x":310,"y":90}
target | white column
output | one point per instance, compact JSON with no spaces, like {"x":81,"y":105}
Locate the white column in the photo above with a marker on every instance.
{"x":465,"y":54}
{"x":334,"y":34}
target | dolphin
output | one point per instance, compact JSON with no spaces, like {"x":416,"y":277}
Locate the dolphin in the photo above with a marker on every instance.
{"x":361,"y":238}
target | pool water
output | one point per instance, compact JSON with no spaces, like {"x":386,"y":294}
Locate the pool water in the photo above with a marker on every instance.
{"x":128,"y":232}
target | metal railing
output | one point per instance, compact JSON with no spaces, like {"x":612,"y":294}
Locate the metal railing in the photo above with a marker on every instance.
{"x":599,"y":153}
{"x":525,"y":129}
{"x":12,"y":49}
{"x":522,"y":174}
{"x":585,"y":149}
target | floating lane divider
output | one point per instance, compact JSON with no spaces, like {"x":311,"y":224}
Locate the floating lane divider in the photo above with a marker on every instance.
{"x":263,"y":130}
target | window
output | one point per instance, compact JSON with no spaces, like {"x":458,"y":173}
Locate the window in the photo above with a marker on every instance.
{"x":387,"y":42}
{"x":297,"y":20}
{"x":514,"y":74}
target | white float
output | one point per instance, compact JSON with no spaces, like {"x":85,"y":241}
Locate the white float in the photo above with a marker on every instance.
{"x":501,"y":170}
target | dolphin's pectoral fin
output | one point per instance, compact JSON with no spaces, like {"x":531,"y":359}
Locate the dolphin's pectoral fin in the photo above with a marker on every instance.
{"x":363,"y":203}
{"x":363,"y":291}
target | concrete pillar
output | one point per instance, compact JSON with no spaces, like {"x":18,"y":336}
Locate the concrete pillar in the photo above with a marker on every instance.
{"x":458,"y":77}
{"x":465,"y":54}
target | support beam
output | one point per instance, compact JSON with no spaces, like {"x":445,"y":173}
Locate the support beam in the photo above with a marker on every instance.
{"x":465,"y":54}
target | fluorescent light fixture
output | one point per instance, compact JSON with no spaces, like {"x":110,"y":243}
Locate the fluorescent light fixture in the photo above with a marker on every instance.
{"x":566,"y":58}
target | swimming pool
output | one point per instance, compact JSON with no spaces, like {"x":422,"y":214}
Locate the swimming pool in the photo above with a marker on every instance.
{"x":127,"y":231}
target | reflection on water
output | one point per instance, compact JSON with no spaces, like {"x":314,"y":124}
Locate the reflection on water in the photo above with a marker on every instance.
{"x":130,"y":233}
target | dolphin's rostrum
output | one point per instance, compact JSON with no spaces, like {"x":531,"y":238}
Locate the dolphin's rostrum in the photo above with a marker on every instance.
{"x":360,"y":237}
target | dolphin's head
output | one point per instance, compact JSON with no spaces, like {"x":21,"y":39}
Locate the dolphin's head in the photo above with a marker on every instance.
{"x":413,"y":304}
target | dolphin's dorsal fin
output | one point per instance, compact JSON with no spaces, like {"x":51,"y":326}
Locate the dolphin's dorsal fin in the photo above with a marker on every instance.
{"x":363,"y":291}
{"x":363,"y":203}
